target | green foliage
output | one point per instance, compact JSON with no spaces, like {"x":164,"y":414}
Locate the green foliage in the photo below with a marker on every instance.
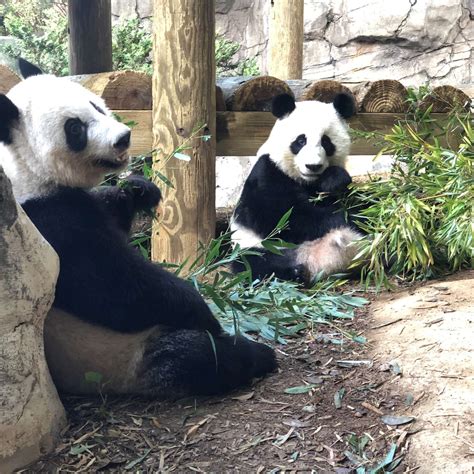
{"x":272,"y":308}
{"x":131,"y":46}
{"x":226,"y":65}
{"x":419,"y":219}
{"x":41,"y":28}
{"x":42,"y":34}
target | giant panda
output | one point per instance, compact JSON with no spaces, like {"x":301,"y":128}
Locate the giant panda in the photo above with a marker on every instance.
{"x":303,"y":158}
{"x":141,"y":328}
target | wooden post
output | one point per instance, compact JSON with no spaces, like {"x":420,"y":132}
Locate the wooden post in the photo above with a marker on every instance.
{"x":184,"y":98}
{"x":90,"y":36}
{"x":285,"y":45}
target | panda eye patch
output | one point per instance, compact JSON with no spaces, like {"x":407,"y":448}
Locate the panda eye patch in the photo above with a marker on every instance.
{"x":298,"y":144}
{"x":328,"y":145}
{"x":76,"y":134}
{"x":96,"y":107}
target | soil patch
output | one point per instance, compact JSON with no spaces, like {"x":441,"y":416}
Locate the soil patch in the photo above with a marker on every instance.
{"x":428,"y":333}
{"x":333,"y":426}
{"x":354,"y":407}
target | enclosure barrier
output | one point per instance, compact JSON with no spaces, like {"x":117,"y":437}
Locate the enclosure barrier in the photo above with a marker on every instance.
{"x":243,"y":106}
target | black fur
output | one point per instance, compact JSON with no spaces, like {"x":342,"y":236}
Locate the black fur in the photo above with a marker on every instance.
{"x":328,"y":145}
{"x":104,"y":281}
{"x":8,"y":114}
{"x":76,"y":134}
{"x":186,"y":361}
{"x":269,"y":193}
{"x":282,"y":105}
{"x":28,"y":69}
{"x":298,"y":143}
{"x":344,"y":105}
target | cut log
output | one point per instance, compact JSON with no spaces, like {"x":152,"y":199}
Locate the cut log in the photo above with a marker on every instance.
{"x":325,"y":91}
{"x":445,"y":99}
{"x":31,"y":414}
{"x":8,"y":79}
{"x":220,"y":101}
{"x":299,"y":87}
{"x":385,"y":96}
{"x":121,"y":89}
{"x":256,"y":94}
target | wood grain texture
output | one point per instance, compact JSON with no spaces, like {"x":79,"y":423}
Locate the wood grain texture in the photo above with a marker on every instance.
{"x":90,"y":36}
{"x":445,"y":99}
{"x":242,"y":133}
{"x":119,"y":89}
{"x":8,"y":79}
{"x":385,"y":96}
{"x":256,"y":94}
{"x":325,"y":91}
{"x":285,"y":44}
{"x":183,"y":98}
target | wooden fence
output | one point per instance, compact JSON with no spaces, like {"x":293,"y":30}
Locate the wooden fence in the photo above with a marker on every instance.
{"x":243,"y":105}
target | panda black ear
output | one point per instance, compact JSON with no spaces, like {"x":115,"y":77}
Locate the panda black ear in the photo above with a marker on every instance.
{"x":344,"y":105}
{"x":282,"y":105}
{"x":28,"y":69}
{"x":8,"y":113}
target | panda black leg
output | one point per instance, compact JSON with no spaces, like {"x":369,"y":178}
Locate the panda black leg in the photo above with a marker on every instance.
{"x":188,"y":362}
{"x":267,"y":263}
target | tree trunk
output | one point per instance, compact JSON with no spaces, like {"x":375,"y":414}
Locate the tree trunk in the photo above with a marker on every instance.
{"x":184,"y":98}
{"x":90,"y":36}
{"x":285,"y":44}
{"x":31,"y":414}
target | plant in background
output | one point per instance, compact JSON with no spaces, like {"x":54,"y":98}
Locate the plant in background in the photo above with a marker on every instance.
{"x":41,"y":29}
{"x":227,"y":65}
{"x":131,"y":46}
{"x":420,"y":219}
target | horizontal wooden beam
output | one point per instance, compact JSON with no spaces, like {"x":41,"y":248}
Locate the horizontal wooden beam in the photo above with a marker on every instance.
{"x":242,"y":133}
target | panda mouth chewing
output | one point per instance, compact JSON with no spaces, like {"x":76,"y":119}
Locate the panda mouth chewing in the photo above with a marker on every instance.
{"x":112,"y":164}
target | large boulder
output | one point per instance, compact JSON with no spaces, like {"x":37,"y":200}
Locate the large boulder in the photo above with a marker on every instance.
{"x":31,"y":414}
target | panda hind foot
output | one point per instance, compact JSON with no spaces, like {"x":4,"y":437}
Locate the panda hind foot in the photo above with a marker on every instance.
{"x":187,"y":362}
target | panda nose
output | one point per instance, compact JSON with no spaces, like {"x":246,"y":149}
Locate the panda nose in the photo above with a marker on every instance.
{"x":314,"y":168}
{"x":123,"y":142}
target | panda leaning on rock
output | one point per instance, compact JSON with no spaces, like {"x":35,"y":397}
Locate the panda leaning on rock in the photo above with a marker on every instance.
{"x":143,"y":329}
{"x":302,"y":159}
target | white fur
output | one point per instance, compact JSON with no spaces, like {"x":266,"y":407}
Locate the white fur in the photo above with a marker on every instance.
{"x":246,"y":238}
{"x":39,"y":159}
{"x":74,"y":347}
{"x":332,"y":253}
{"x":313,"y":119}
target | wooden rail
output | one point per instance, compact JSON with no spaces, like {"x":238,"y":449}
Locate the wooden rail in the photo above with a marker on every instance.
{"x":242,"y":133}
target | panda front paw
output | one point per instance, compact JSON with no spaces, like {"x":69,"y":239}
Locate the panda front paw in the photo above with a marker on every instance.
{"x":146,"y":194}
{"x":334,"y":179}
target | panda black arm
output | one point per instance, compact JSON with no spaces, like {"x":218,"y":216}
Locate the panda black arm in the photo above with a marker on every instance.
{"x":104,"y":281}
{"x":122,"y":202}
{"x":334,"y":179}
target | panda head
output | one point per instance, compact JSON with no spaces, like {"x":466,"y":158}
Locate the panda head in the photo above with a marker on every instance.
{"x":55,"y":132}
{"x":309,"y":136}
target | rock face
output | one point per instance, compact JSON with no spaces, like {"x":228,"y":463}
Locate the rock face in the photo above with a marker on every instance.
{"x":414,"y":41}
{"x":31,"y":414}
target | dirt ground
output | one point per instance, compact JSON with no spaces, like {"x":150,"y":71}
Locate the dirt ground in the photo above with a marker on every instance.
{"x":400,"y":403}
{"x":429,"y":334}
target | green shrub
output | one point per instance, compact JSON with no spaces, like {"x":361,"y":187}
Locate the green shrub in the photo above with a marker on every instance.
{"x":41,"y":28}
{"x":420,"y":218}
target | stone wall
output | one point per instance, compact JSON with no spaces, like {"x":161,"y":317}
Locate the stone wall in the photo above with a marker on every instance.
{"x":415,"y":41}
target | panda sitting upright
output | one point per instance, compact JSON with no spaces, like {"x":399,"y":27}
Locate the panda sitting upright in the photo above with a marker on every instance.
{"x":144,"y":330}
{"x":303,"y":158}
